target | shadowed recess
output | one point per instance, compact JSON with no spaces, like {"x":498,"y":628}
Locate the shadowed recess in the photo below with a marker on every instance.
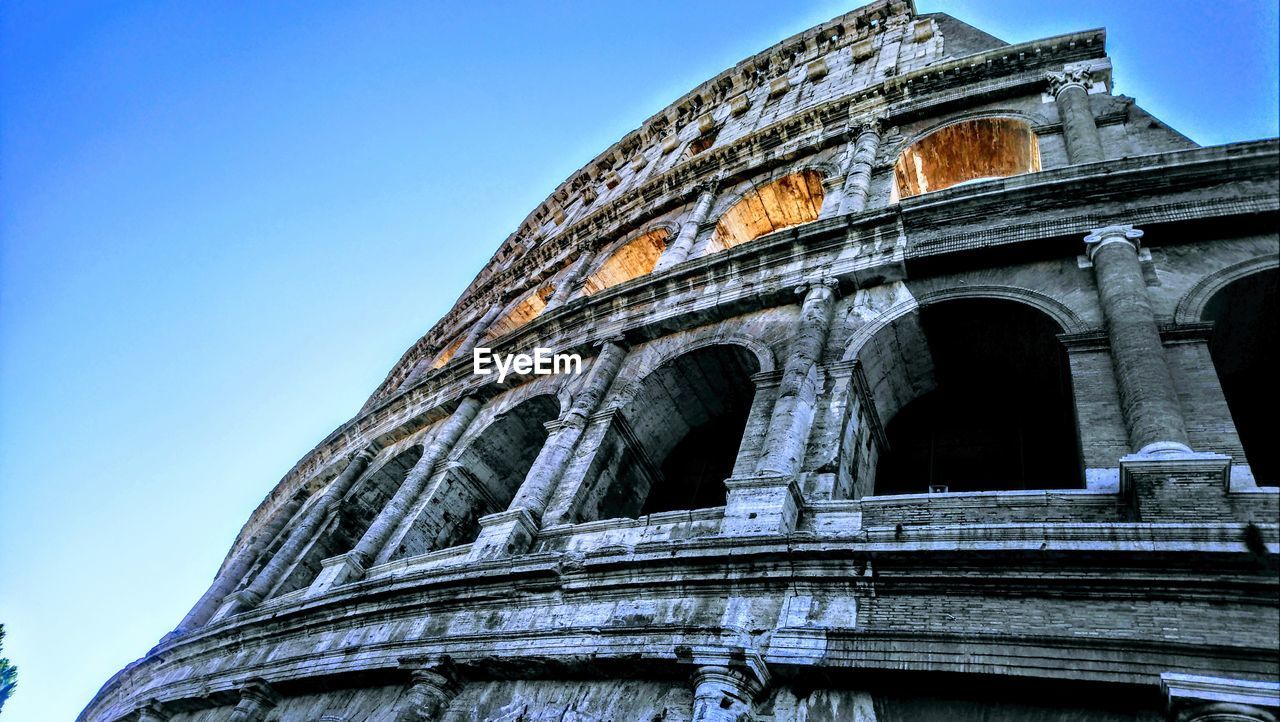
{"x":1244,"y":354}
{"x":999,"y":415}
{"x":675,"y":443}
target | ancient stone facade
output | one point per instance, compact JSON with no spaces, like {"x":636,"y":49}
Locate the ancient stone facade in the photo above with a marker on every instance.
{"x":925,"y":379}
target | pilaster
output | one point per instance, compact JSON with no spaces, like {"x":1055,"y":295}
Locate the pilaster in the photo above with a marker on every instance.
{"x":257,"y":698}
{"x":433,"y":683}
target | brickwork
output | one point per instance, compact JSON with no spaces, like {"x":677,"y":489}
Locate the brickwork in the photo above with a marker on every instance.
{"x":464,"y":549}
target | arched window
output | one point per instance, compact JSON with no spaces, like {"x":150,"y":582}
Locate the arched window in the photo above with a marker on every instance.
{"x":963,"y":152}
{"x":788,"y":201}
{"x":1244,"y":353}
{"x":635,"y":258}
{"x":482,"y":478}
{"x":984,"y":400}
{"x":356,"y":512}
{"x":449,"y":351}
{"x":527,"y":309}
{"x":676,"y":442}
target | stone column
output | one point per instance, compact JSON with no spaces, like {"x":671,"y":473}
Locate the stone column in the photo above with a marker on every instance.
{"x":299,"y":537}
{"x":478,"y":330}
{"x":1070,"y":90}
{"x":857,"y":179}
{"x":513,"y":530}
{"x":370,"y":545}
{"x":153,"y":711}
{"x":433,"y":683}
{"x":784,"y":444}
{"x":235,"y":570}
{"x":570,"y":282}
{"x":679,"y":249}
{"x":1148,"y":401}
{"x":257,"y":698}
{"x":723,"y":694}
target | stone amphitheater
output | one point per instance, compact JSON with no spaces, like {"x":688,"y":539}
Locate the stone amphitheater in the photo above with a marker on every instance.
{"x":924,"y":379}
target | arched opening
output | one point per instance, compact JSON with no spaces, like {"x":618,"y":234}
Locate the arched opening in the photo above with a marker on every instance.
{"x":634,"y":259}
{"x":448,"y":352}
{"x":788,"y":201}
{"x":963,"y":152}
{"x":992,"y":412}
{"x":1243,"y":349}
{"x":482,"y":478}
{"x":676,"y":442}
{"x":355,"y":514}
{"x":524,"y":311}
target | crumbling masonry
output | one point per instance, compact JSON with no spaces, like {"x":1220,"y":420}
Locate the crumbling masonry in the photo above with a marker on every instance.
{"x":925,"y":379}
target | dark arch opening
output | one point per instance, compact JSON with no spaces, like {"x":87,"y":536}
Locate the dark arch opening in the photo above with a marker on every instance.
{"x":483,"y":478}
{"x":1000,"y":415}
{"x":1243,"y":349}
{"x":676,"y":442}
{"x":355,"y":514}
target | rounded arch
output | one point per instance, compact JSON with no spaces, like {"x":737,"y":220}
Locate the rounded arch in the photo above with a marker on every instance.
{"x":1191,"y":307}
{"x":483,"y":473}
{"x":635,"y":255}
{"x":766,"y":206}
{"x":676,"y":436}
{"x":1244,"y":354}
{"x":631,"y":383}
{"x":1034,"y":120}
{"x":963,"y":150}
{"x":967,"y":388}
{"x":526,"y":307}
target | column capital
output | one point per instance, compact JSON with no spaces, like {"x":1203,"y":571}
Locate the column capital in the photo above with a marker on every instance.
{"x":259,"y":691}
{"x":601,"y":344}
{"x":153,"y":711}
{"x":874,"y":125}
{"x":831,"y":286}
{"x":1200,"y":698}
{"x":710,"y":185}
{"x":1077,"y":77}
{"x":1100,"y":237}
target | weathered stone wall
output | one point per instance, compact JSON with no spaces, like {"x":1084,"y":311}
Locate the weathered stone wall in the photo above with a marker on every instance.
{"x":471,"y":550}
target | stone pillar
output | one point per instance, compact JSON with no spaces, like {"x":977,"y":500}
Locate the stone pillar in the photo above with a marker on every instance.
{"x":372,"y":545}
{"x":570,"y":282}
{"x":1070,"y":90}
{"x":477,"y":331}
{"x":1148,"y":400}
{"x":679,"y":249}
{"x":857,"y":179}
{"x":1201,"y":698}
{"x":784,"y":444}
{"x":234,"y":572}
{"x":299,"y":537}
{"x":512,"y":531}
{"x":433,"y":683}
{"x":723,"y":694}
{"x":257,"y":698}
{"x":153,"y":711}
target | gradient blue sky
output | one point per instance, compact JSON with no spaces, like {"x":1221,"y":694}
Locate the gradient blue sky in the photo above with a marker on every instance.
{"x":222,"y":223}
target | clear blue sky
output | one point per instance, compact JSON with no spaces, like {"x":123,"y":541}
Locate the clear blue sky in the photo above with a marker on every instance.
{"x":222,"y":223}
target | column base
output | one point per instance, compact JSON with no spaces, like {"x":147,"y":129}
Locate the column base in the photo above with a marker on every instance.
{"x":761,"y":505}
{"x":504,"y":534}
{"x":334,"y":572}
{"x":1177,"y":487}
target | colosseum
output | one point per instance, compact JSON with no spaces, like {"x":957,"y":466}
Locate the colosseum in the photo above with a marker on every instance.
{"x":924,"y":378}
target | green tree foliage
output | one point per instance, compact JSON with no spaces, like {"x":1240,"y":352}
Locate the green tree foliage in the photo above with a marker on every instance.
{"x":8,"y":674}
